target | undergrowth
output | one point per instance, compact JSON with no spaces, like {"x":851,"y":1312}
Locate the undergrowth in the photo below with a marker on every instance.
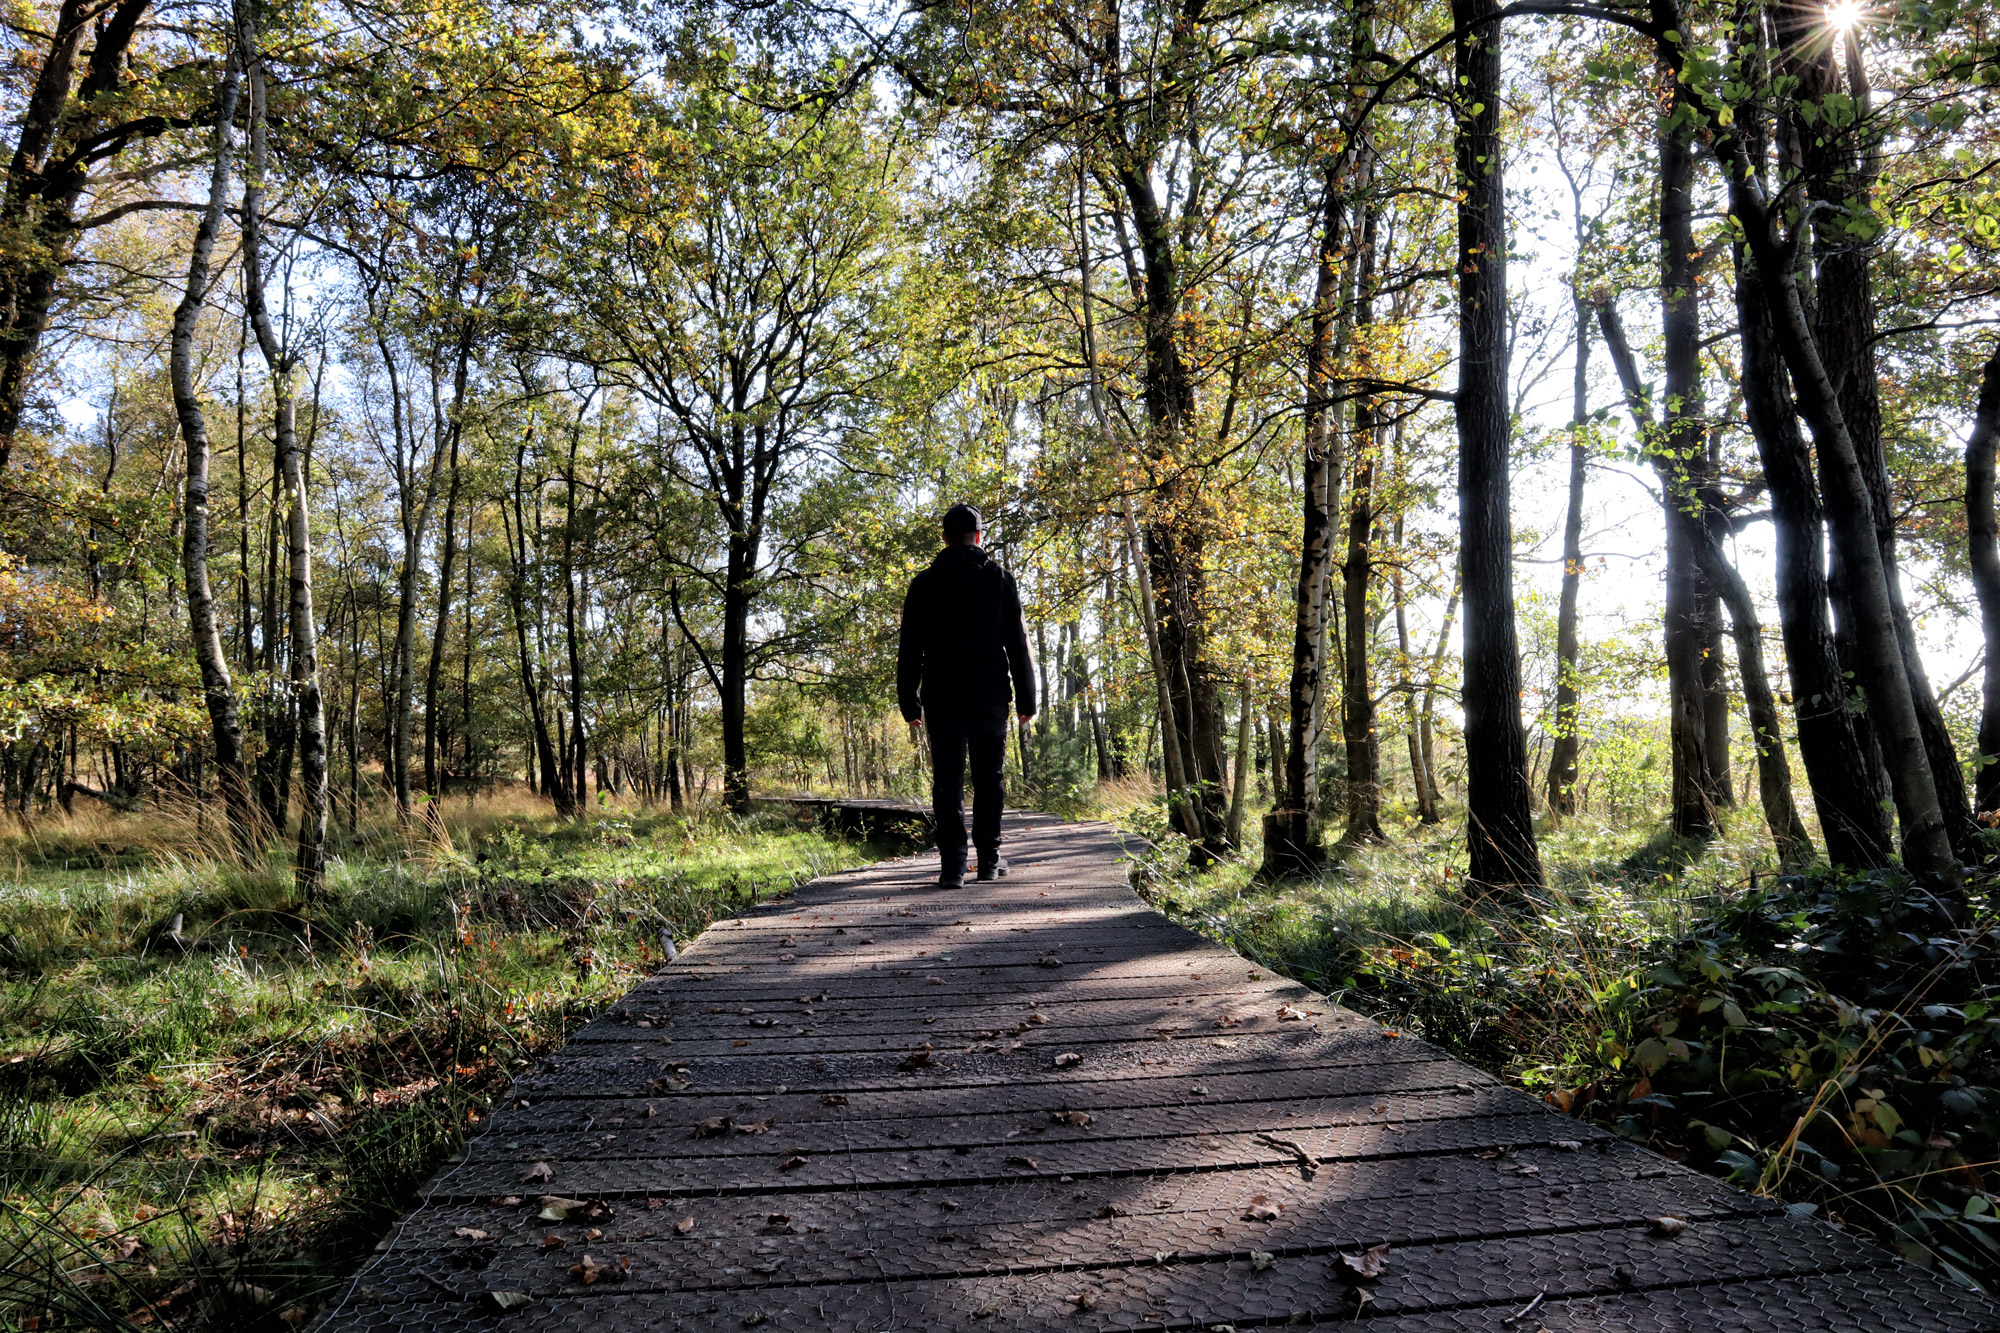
{"x":1828,"y":1040}
{"x":214,"y":1099}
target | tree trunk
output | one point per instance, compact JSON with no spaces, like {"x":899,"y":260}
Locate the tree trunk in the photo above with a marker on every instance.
{"x":1774,"y":774}
{"x":1927,"y":849}
{"x":1679,"y":453}
{"x":1500,"y":833}
{"x":447,"y":555}
{"x":218,"y":689}
{"x":1240,"y":780}
{"x":733,"y":686}
{"x":308,"y":705}
{"x":46,"y":177}
{"x":1293,"y":837}
{"x":531,"y":687}
{"x":1563,"y":752}
{"x":1983,"y":547}
{"x":1359,"y":731}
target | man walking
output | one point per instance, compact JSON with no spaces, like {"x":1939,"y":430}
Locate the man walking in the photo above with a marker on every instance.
{"x":963,"y":642}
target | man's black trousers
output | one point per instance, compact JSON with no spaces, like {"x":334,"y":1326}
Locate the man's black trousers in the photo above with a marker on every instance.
{"x":979,"y":734}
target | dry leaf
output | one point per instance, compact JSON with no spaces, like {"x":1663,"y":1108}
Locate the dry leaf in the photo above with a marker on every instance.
{"x":712,"y":1127}
{"x":1360,"y":1296}
{"x":1112,"y":1210}
{"x":1074,"y":1119}
{"x":506,"y":1300}
{"x":754,"y":1127}
{"x":1291,"y":1013}
{"x":1048,"y":960}
{"x":1038,"y":1018}
{"x":780,"y":1224}
{"x":590,"y":1270}
{"x":471,"y":1233}
{"x":833,"y":1099}
{"x":504,"y":1200}
{"x":1262,"y":1260}
{"x":792,"y":1163}
{"x":1260,"y":1212}
{"x":1084,"y":1300}
{"x":553,"y":1242}
{"x":539,"y":1171}
{"x":1370,"y":1262}
{"x":1068,"y":1058}
{"x":595,"y":1233}
{"x":1668,"y":1225}
{"x":685,"y":1225}
{"x":987,"y":1311}
{"x":1026,"y":1163}
{"x":916,"y":1059}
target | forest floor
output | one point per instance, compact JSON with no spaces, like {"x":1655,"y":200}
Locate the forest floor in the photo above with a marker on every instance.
{"x":212,"y":1102}
{"x":1830,"y":1039}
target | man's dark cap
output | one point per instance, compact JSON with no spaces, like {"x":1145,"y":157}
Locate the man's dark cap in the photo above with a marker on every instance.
{"x":962,"y":519}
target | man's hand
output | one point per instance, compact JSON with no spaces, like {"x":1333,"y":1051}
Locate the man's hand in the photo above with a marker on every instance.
{"x":1026,"y":717}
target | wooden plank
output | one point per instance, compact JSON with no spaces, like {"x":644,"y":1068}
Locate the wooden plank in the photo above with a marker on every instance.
{"x":877,"y":1105}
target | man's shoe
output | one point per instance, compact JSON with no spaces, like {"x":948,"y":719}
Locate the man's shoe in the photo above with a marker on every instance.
{"x":994,"y":869}
{"x":951,"y":875}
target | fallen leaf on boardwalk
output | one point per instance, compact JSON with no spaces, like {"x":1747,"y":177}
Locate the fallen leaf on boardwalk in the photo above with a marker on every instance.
{"x":1027,"y":1163}
{"x":1048,"y":960}
{"x":1229,"y":1021}
{"x":1068,"y":1058}
{"x":651,"y":1110}
{"x":1387,"y":1033}
{"x":1668,"y":1226}
{"x":780,"y":1224}
{"x":1370,"y":1262}
{"x":916,"y":1059}
{"x":740,"y":1041}
{"x":1084,"y":1300}
{"x":1260,"y":1211}
{"x":833,"y":1099}
{"x":656,"y":1203}
{"x":713,"y":1127}
{"x":792,"y":1163}
{"x":506,"y":1300}
{"x":667,"y":1085}
{"x":1262,"y":1260}
{"x":1112,"y":1210}
{"x":1288,"y":1013}
{"x":553,"y":1242}
{"x":595,"y":1233}
{"x":1360,"y":1296}
{"x":786,"y":957}
{"x":1566,"y":1145}
{"x":505,"y":1200}
{"x":471,"y":1233}
{"x":539,"y":1171}
{"x":753,"y":1127}
{"x":935,"y":981}
{"x":762,"y":1022}
{"x":590,"y":1270}
{"x":1074,"y":1119}
{"x":1038,"y":1018}
{"x":754,"y":1318}
{"x":685,"y":1225}
{"x":987,"y":1311}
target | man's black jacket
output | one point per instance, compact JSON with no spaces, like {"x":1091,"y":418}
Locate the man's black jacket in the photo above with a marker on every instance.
{"x":963,"y":636}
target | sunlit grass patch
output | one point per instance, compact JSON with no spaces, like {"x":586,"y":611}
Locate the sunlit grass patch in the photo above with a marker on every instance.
{"x":213,"y":1097}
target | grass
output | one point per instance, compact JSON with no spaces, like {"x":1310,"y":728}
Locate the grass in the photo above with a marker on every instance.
{"x":1831,"y":1040}
{"x":213,"y":1100}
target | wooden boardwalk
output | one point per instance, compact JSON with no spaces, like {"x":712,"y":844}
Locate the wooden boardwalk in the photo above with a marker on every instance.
{"x":875,"y":1106}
